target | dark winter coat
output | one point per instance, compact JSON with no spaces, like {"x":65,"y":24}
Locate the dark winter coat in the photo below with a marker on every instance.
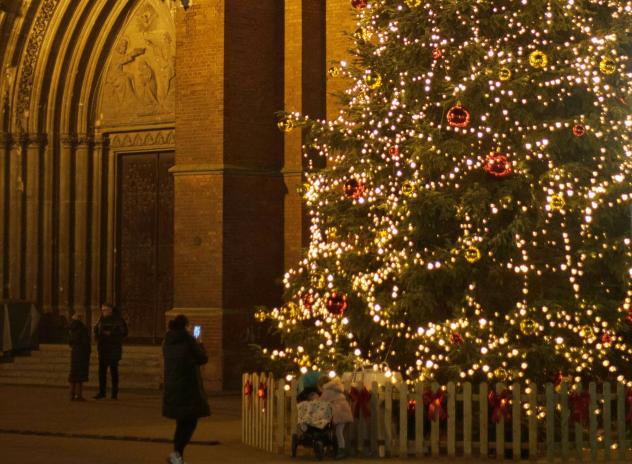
{"x":79,"y":341}
{"x":184,"y":396}
{"x":109,"y":333}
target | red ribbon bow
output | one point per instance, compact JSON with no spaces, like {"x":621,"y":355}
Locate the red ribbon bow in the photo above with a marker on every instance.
{"x":579,"y":406}
{"x":629,"y":401}
{"x":500,"y":403}
{"x":434,"y":401}
{"x":360,"y":398}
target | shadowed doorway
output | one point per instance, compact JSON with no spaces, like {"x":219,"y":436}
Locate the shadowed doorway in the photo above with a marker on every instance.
{"x":145,"y":242}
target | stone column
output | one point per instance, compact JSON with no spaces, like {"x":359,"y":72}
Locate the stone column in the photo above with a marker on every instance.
{"x":32,"y":153}
{"x":5,"y":143}
{"x":16,"y":208}
{"x":48,"y":208}
{"x":96,"y":236}
{"x":81,"y":218}
{"x":68,"y":144}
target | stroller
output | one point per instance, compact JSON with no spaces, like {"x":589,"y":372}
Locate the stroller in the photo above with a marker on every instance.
{"x":315,"y":428}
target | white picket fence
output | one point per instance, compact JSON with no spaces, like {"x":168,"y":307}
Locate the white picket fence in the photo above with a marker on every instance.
{"x":536,"y":423}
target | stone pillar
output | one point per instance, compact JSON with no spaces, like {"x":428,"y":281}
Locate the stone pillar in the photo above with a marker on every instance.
{"x":81,"y":218}
{"x":16,"y":208}
{"x":48,"y":208}
{"x":96,"y":236}
{"x":64,"y":299}
{"x":32,"y":153}
{"x":5,"y":142}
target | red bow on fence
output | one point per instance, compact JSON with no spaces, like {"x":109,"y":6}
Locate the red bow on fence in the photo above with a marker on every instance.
{"x":360,"y":399}
{"x":629,"y":401}
{"x":500,"y":403}
{"x":579,"y":406}
{"x":434,"y":401}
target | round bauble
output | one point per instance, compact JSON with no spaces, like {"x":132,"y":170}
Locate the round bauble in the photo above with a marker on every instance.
{"x":337,"y":304}
{"x":354,"y":188}
{"x":458,"y":116}
{"x":538,"y":59}
{"x":497,"y":165}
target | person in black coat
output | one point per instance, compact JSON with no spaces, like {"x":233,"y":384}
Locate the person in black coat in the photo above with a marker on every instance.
{"x":109,"y":332}
{"x":79,"y":341}
{"x":184,"y":398}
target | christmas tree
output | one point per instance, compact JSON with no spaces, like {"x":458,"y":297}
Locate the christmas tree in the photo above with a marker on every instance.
{"x":472,"y":220}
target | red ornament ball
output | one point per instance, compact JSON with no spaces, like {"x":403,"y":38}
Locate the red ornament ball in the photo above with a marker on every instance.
{"x":578,"y":130}
{"x":359,"y":3}
{"x":262,"y":391}
{"x":437,"y":53}
{"x":606,"y":338}
{"x":308,"y":300}
{"x":458,"y":116}
{"x":354,"y":188}
{"x":337,"y":304}
{"x":628,"y":319}
{"x":497,"y":165}
{"x":456,"y":338}
{"x":393,"y":151}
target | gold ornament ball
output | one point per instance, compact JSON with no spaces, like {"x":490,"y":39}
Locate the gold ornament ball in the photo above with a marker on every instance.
{"x":260,"y":315}
{"x":529,"y":327}
{"x":538,"y":59}
{"x":320,"y":282}
{"x":413,"y":3}
{"x":500,"y":373}
{"x":587,"y":332}
{"x":331,"y":232}
{"x":285,"y":125}
{"x":383,"y":234}
{"x":504,"y":74}
{"x":408,"y":188}
{"x":607,"y":65}
{"x":373,"y":80}
{"x":334,"y":71}
{"x":557,"y":202}
{"x":472,"y":254}
{"x":290,"y":309}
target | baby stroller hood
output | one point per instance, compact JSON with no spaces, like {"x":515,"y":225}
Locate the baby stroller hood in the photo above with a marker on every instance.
{"x":315,"y":413}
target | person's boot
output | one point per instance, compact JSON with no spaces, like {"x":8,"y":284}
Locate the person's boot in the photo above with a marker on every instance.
{"x":99,"y":396}
{"x":79,"y":392}
{"x":72,"y":391}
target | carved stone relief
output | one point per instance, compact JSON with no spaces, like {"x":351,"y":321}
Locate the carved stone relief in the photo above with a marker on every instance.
{"x":139,"y":84}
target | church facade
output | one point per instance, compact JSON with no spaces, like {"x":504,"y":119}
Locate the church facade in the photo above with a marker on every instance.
{"x":141,"y":164}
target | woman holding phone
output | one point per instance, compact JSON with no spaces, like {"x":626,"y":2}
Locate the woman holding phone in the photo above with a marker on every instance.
{"x":184,"y":398}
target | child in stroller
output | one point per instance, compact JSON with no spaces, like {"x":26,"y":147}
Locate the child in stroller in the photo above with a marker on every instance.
{"x":315,"y":428}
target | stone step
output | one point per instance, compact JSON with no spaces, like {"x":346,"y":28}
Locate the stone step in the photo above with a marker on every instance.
{"x":140,"y":368}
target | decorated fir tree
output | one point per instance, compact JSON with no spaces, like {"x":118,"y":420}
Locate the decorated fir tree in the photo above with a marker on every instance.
{"x":472,"y":221}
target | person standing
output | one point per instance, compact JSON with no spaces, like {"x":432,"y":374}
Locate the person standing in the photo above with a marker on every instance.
{"x":334,"y":392}
{"x":184,"y":398}
{"x":109,"y":333}
{"x":79,"y":341}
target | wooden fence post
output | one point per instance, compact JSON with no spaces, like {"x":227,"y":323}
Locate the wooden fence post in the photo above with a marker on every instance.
{"x":564,"y":416}
{"x":435,"y":424}
{"x":419,"y":420}
{"x":403,"y":420}
{"x":579,"y":430}
{"x":467,"y":419}
{"x":388,"y":419}
{"x":516,"y":422}
{"x":280,"y":417}
{"x":607,"y":420}
{"x":532,"y":393}
{"x":375,"y":415}
{"x":451,"y":419}
{"x":500,"y":428}
{"x":621,"y":421}
{"x":550,"y":422}
{"x":592,"y":411}
{"x":483,"y":419}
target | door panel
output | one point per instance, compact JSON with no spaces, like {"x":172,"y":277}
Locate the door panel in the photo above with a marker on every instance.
{"x":145,"y":242}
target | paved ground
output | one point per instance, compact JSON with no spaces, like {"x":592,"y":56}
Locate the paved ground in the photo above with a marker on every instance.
{"x":30,"y":416}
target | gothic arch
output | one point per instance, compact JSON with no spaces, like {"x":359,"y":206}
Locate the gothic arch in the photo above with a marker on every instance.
{"x":55,"y":58}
